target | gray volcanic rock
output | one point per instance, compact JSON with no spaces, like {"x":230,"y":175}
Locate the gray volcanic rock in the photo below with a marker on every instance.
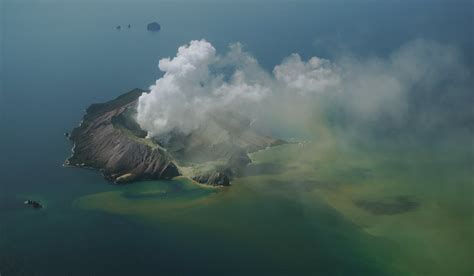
{"x":214,"y":179}
{"x":110,"y":139}
{"x":121,"y":155}
{"x":34,"y":204}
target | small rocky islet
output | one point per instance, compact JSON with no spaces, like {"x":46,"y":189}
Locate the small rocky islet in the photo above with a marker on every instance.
{"x":151,"y":27}
{"x":34,"y":204}
{"x":110,"y":140}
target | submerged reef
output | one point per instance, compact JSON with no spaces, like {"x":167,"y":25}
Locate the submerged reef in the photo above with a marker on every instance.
{"x":109,"y":139}
{"x":388,"y":206}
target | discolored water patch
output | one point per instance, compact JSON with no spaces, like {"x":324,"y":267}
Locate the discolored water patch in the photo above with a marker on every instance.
{"x":262,"y":169}
{"x":162,"y":190}
{"x":153,"y":191}
{"x":389,"y":205}
{"x":355,"y":173}
{"x":306,"y":185}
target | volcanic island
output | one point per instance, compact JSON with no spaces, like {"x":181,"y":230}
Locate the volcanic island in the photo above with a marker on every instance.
{"x":109,"y":139}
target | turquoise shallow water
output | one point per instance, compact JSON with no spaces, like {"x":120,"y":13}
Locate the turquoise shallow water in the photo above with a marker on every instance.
{"x":57,"y":58}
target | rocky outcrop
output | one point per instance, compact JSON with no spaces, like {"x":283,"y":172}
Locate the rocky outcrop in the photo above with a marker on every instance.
{"x":34,"y":204}
{"x":153,"y":27}
{"x":117,"y":151}
{"x":109,"y":139}
{"x":214,"y":179}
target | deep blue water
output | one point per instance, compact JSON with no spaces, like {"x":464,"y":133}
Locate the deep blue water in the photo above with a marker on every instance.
{"x":58,"y":58}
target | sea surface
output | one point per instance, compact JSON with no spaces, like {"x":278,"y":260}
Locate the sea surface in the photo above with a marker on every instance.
{"x":318,"y":206}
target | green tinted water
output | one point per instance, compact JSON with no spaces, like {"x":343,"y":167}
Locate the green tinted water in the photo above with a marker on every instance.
{"x":297,"y":211}
{"x":294,"y":212}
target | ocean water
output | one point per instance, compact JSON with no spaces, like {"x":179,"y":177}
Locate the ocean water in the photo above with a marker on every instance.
{"x":296,"y":214}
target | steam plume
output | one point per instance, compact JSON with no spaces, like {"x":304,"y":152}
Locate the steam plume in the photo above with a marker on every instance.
{"x":199,"y":83}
